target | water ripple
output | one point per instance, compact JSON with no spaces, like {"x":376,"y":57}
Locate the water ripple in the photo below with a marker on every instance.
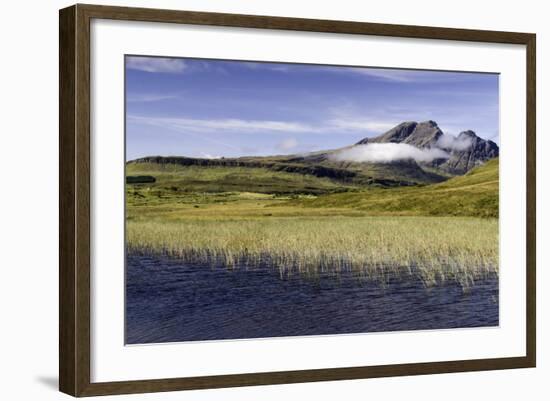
{"x":168,"y":301}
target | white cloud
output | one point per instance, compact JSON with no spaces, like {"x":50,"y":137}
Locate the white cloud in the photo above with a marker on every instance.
{"x":288,"y":144}
{"x":385,"y":74}
{"x":388,"y":152}
{"x":156,"y":64}
{"x":399,"y":75}
{"x":361,"y":125}
{"x":209,"y":156}
{"x":347,"y":116}
{"x":256,"y":65}
{"x":388,"y":75}
{"x":447,"y":141}
{"x":243,"y":126}
{"x":149,"y":97}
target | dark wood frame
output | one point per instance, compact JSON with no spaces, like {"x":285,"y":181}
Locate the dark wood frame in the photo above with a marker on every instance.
{"x":74,"y":199}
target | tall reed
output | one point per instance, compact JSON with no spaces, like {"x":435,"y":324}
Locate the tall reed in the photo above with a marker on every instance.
{"x":436,"y":248}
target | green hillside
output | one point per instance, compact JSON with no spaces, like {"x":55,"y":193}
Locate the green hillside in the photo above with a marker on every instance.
{"x":242,"y":191}
{"x":172,"y":179}
{"x":473,"y":194}
{"x":404,"y":173}
{"x":231,"y":215}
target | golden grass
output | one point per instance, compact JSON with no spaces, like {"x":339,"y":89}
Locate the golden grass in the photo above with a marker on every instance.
{"x":436,"y":248}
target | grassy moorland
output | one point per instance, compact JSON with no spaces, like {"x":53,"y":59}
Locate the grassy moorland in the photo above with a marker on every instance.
{"x":181,"y":181}
{"x":473,"y":194}
{"x":237,"y":216}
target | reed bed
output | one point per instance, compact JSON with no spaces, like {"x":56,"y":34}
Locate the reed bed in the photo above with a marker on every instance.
{"x":434,"y":248}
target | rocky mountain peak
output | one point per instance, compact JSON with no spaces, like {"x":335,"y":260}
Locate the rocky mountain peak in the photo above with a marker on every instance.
{"x":468,"y":133}
{"x":426,"y":134}
{"x":396,"y":135}
{"x":465,"y":151}
{"x":420,"y":134}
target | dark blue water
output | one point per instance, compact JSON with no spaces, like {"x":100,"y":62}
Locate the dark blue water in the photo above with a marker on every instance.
{"x":169,"y":301}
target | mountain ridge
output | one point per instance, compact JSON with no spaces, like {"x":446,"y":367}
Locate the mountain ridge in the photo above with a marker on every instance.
{"x":464,"y":153}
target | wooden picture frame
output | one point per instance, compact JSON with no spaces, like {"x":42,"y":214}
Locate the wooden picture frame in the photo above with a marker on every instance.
{"x":74,"y":203}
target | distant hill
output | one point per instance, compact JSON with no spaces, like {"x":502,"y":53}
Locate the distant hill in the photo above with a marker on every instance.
{"x":474,"y":194}
{"x":455,"y":156}
{"x":177,"y":180}
{"x":404,"y":173}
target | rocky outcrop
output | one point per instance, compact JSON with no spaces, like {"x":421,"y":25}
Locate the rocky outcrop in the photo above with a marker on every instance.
{"x":463,"y":160}
{"x":464,"y":152}
{"x":421,"y":135}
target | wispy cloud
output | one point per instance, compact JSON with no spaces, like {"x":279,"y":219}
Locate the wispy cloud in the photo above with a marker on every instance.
{"x":383,"y":74}
{"x":256,"y":65}
{"x":400,"y":75}
{"x":288,"y":144}
{"x":330,"y":126}
{"x":361,"y":125}
{"x":388,"y":74}
{"x":156,"y":64}
{"x":217,"y":125}
{"x":349,"y":117}
{"x":149,"y":97}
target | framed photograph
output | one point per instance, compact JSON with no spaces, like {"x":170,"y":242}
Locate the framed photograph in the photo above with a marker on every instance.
{"x":250,"y":200}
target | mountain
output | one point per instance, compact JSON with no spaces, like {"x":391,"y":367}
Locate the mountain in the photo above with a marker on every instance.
{"x":479,"y":151}
{"x":451,"y":156}
{"x":464,"y":152}
{"x":421,"y":135}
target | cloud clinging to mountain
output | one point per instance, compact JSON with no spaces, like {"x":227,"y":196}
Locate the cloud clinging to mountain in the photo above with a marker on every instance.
{"x":452,"y":142}
{"x":388,"y":152}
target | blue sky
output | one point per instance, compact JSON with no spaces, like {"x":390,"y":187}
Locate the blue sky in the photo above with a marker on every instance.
{"x":214,"y":108}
